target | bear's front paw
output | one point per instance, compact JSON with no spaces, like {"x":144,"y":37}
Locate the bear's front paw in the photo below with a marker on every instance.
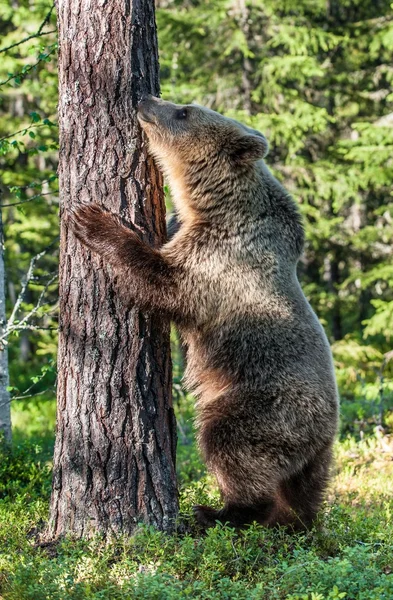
{"x":98,"y":229}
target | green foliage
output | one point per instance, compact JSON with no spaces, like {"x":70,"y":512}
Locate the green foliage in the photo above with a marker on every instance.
{"x":317,"y":79}
{"x":28,"y":183}
{"x":22,"y":471}
{"x":348,"y":554}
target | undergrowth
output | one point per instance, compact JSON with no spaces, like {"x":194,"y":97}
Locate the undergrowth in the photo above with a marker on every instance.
{"x":348,"y":553}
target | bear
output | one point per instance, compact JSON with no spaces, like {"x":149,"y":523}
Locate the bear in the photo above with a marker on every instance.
{"x":258,"y":360}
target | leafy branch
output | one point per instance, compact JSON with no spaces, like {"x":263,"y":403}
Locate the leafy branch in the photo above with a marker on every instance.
{"x":39,"y":33}
{"x":33,"y":125}
{"x":36,"y":379}
{"x":18,"y":77}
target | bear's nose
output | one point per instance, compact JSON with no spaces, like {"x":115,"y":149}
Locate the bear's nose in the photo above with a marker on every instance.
{"x":145,"y":110}
{"x":145,"y":97}
{"x":150,"y":98}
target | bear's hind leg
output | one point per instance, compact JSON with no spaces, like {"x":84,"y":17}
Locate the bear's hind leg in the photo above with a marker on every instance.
{"x":295,"y":502}
{"x":305,"y":491}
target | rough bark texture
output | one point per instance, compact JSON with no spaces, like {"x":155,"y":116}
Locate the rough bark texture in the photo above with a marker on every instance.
{"x":5,"y":406}
{"x":115,"y":445}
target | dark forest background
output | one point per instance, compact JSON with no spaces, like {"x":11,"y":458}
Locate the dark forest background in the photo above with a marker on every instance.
{"x":316,"y":76}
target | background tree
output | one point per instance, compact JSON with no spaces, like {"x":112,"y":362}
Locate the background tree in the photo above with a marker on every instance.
{"x":5,"y":408}
{"x":320,"y":86}
{"x":115,"y":441}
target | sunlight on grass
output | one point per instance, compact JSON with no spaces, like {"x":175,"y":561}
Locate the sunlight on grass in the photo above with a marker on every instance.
{"x":365,"y":470}
{"x":348,"y":553}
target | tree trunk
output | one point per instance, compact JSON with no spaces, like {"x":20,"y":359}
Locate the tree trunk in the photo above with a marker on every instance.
{"x":334,"y":281}
{"x":242,"y":13}
{"x":5,"y":405}
{"x":116,"y":437}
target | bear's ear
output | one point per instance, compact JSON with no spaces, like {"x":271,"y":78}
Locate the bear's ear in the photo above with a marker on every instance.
{"x":249,"y":148}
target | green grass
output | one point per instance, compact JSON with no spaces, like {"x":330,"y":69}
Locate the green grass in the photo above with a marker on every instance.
{"x":348,"y":554}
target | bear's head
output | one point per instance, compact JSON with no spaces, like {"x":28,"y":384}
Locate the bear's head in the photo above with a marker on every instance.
{"x":197,"y":148}
{"x":191,"y":132}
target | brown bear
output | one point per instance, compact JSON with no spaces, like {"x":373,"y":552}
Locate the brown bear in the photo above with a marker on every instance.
{"x":258,"y":359}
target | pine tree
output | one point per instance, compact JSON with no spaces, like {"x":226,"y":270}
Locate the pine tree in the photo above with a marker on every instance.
{"x":116,"y":433}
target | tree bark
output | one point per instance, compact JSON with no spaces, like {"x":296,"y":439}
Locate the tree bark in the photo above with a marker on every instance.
{"x":5,"y":405}
{"x":115,"y":445}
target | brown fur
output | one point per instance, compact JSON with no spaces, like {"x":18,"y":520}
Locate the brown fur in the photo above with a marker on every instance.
{"x":257,"y":357}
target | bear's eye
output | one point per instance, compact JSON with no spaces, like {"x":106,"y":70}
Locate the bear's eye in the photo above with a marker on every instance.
{"x":181,"y":114}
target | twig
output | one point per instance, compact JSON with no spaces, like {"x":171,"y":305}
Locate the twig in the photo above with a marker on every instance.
{"x":34,"y":35}
{"x":31,"y":313}
{"x":33,"y":184}
{"x":375,"y":21}
{"x":29,"y":276}
{"x":28,"y":199}
{"x":28,"y":390}
{"x":31,"y":395}
{"x":29,"y":327}
{"x":21,"y":296}
{"x":22,"y":73}
{"x":24,"y":130}
{"x":27,"y":396}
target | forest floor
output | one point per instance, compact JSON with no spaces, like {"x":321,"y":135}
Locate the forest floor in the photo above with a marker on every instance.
{"x":348,"y":553}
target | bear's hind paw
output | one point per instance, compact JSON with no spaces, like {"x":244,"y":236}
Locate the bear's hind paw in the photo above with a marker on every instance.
{"x":206,"y":516}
